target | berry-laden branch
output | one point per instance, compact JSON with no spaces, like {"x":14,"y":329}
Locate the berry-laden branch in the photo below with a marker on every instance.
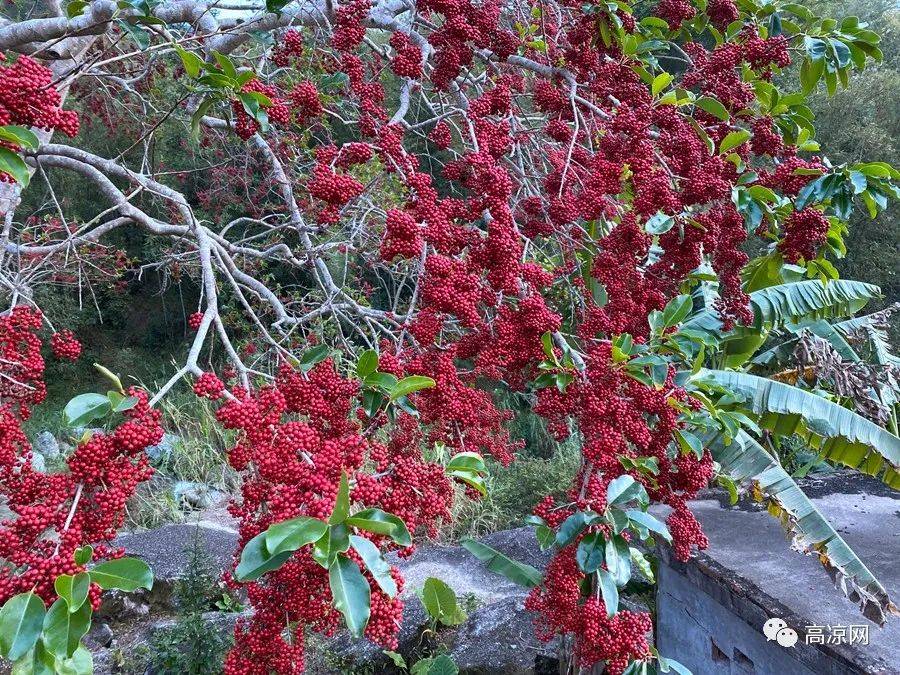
{"x":395,"y":211}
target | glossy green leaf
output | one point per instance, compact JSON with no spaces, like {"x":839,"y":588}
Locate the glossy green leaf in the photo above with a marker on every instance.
{"x":63,"y":629}
{"x":341,"y":502}
{"x":376,"y":564}
{"x":517,"y":572}
{"x":73,"y":589}
{"x":590,"y":552}
{"x":125,"y":574}
{"x":381,"y":522}
{"x":21,"y":136}
{"x":367,"y":364}
{"x":21,"y":620}
{"x":440,"y":602}
{"x":292,"y":534}
{"x":86,"y":408}
{"x":350,"y":593}
{"x":409,"y":385}
{"x":733,"y":140}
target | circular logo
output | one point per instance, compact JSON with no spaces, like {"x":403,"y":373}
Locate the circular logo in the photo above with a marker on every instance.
{"x":787,"y":637}
{"x":776,"y":629}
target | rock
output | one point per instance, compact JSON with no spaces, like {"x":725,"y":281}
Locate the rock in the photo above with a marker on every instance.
{"x":460,"y":570}
{"x":196,"y":495}
{"x":159,"y":453}
{"x":499,"y":639}
{"x":46,"y":444}
{"x":498,"y":636}
{"x":38,"y":463}
{"x":100,"y":635}
{"x":165,"y":550}
{"x":119,"y":606}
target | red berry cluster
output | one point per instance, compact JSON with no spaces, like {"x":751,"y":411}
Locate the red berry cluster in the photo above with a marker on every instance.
{"x":208,"y":385}
{"x":195,"y":320}
{"x":326,"y":185}
{"x":407,"y":61}
{"x":804,"y":233}
{"x":65,"y":345}
{"x":295,"y":440}
{"x":22,"y":364}
{"x":289,"y":49}
{"x":54,"y":514}
{"x":29,"y":98}
{"x":275,"y":108}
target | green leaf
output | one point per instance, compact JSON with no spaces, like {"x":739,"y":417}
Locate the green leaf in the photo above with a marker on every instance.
{"x":37,"y":661}
{"x":75,"y":8}
{"x":63,"y":629}
{"x":836,"y":433}
{"x":20,"y":136}
{"x":197,"y":117}
{"x":86,"y":408}
{"x":689,"y":443}
{"x":396,"y":659}
{"x":381,"y":522}
{"x":659,"y":223}
{"x":624,"y":489}
{"x":640,"y":561}
{"x":517,"y":572}
{"x":292,"y":534}
{"x":375,"y":563}
{"x":733,"y":140}
{"x":660,"y":82}
{"x":726,"y":482}
{"x":126,"y":574}
{"x":14,"y":165}
{"x":443,"y":665}
{"x":713,"y":107}
{"x":384,"y":381}
{"x":609,"y":591}
{"x":367,"y":364}
{"x":648,"y":521}
{"x":618,"y":560}
{"x":275,"y":6}
{"x":677,"y":310}
{"x":572,"y":526}
{"x":793,"y":302}
{"x":746,"y":461}
{"x":83,"y":555}
{"x":312,"y":357}
{"x":193,"y":64}
{"x":256,"y":559}
{"x":119,"y":403}
{"x":411,"y":384}
{"x":80,"y":663}
{"x":225,"y":64}
{"x":342,"y":502}
{"x":590,"y":552}
{"x":73,"y":589}
{"x":21,"y":619}
{"x":351,"y":594}
{"x":440,"y":602}
{"x":467,"y":461}
{"x":336,"y":540}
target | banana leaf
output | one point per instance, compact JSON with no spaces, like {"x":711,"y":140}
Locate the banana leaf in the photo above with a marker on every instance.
{"x":838,"y":434}
{"x":746,"y":461}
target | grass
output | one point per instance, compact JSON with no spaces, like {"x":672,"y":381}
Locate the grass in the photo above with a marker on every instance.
{"x":198,"y":455}
{"x":512,"y":493}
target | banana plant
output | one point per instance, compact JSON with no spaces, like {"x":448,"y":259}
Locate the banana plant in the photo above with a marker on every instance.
{"x":746,"y":407}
